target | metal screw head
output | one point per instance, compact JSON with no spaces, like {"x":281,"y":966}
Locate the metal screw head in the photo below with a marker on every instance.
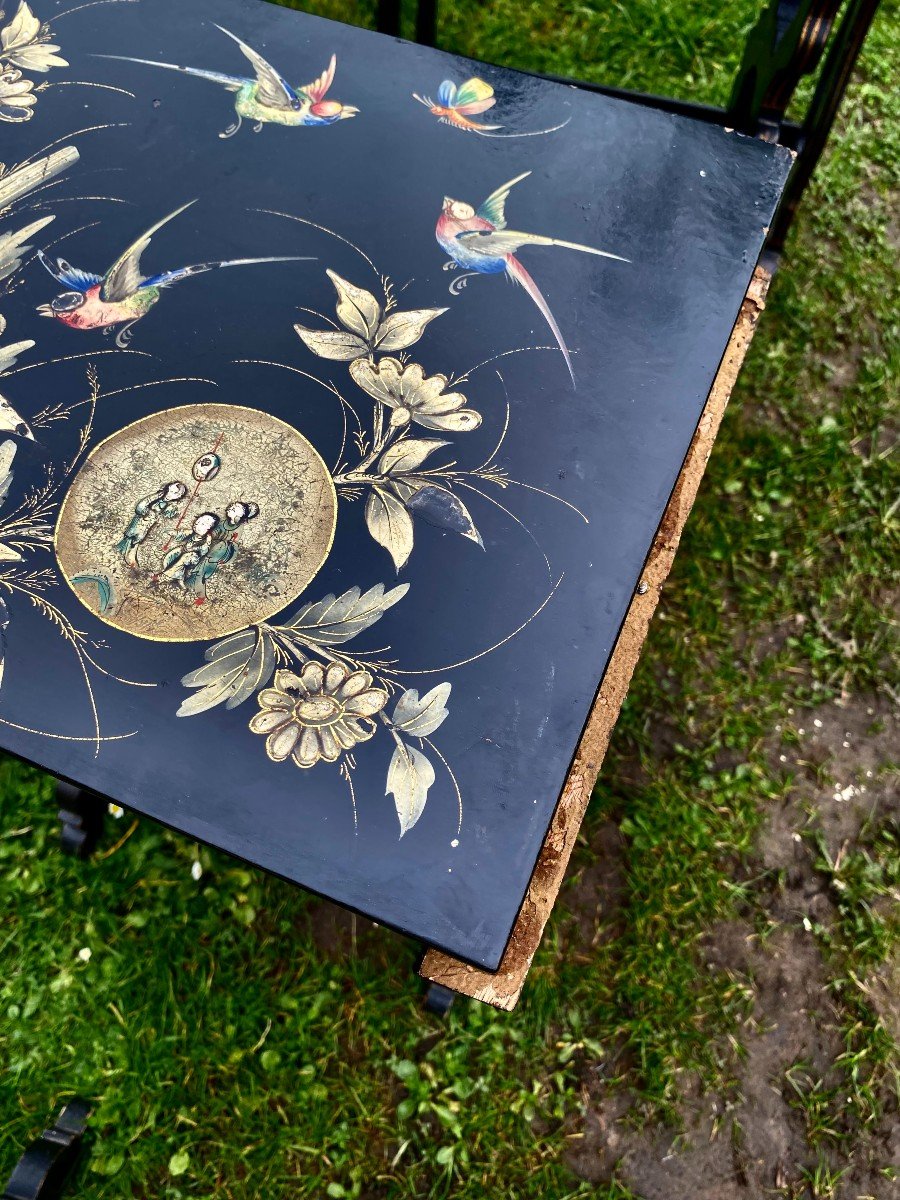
{"x":643,"y":588}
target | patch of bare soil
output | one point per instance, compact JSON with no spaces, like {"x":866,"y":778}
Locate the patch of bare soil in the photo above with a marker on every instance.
{"x":752,"y":1142}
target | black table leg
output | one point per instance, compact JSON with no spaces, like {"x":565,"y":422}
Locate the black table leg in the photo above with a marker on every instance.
{"x":438,"y":999}
{"x":426,"y":22}
{"x":43,"y":1169}
{"x":81,"y":816}
{"x":387,"y":17}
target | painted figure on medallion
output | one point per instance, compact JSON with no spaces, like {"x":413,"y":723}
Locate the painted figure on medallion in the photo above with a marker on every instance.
{"x":189,"y":566}
{"x":162,"y":505}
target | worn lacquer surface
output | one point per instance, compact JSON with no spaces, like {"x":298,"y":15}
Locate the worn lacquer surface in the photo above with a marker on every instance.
{"x":331,"y":449}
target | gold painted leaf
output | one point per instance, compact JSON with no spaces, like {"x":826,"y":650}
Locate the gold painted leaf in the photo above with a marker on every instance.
{"x":14,"y":245}
{"x":336,"y":619}
{"x":40,"y":56}
{"x":236,"y":667}
{"x":408,"y":454}
{"x":22,"y":29}
{"x":357,"y":309}
{"x":439,"y":506}
{"x":7,"y":454}
{"x":333,"y":343}
{"x":403,"y":329}
{"x":19,"y":181}
{"x":390,"y":525}
{"x":410,"y":775}
{"x":421,"y":717}
{"x":10,"y":352}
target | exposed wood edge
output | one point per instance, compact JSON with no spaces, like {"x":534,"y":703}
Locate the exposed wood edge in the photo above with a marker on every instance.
{"x":503,"y":987}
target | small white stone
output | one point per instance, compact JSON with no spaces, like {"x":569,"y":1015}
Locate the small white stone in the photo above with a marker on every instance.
{"x":702,"y":174}
{"x":196,"y":869}
{"x":782,"y":758}
{"x":817,"y":723}
{"x":800,"y":732}
{"x":84,"y":954}
{"x":455,"y":843}
{"x":796,"y":837}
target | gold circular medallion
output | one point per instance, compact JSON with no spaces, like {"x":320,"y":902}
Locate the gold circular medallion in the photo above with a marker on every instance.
{"x":196,"y":522}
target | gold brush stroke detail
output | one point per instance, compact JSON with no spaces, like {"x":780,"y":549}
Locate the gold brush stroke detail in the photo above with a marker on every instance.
{"x":65,"y":737}
{"x":459,"y":803}
{"x":491,"y":500}
{"x":529,"y":133}
{"x":329,"y":387}
{"x":346,"y":406}
{"x":117,"y":678}
{"x":137,"y":387}
{"x":49,"y":362}
{"x":243,"y":624}
{"x":464,"y":662}
{"x":91,"y":4}
{"x":68,"y":137}
{"x":346,"y":773}
{"x":529,"y":487}
{"x":106,"y":87}
{"x":71,"y":200}
{"x":274,"y":212}
{"x":496,"y":358}
{"x":73,"y":636}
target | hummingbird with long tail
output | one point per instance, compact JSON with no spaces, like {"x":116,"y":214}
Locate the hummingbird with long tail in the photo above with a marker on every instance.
{"x":123,"y":295}
{"x":478,"y":240}
{"x":267,"y":98}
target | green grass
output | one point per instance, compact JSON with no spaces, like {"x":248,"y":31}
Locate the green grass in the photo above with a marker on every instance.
{"x":230,"y":1056}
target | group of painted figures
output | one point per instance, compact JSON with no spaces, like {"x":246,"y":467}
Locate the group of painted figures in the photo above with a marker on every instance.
{"x":189,"y":558}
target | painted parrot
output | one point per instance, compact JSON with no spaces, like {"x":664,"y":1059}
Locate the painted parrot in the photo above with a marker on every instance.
{"x":123,"y":295}
{"x":267,"y":98}
{"x":480,"y":242}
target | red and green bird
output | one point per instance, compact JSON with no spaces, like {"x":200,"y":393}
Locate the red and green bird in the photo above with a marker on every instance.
{"x":478,"y":240}
{"x":123,"y":295}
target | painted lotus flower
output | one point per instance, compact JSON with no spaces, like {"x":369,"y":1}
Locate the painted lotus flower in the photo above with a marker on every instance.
{"x":317,"y":714}
{"x":405,"y":388}
{"x":17,"y":98}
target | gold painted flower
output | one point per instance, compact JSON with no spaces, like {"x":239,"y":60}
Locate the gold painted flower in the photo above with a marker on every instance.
{"x":26,"y":43}
{"x":405,"y":388}
{"x":318,"y":713}
{"x":17,"y":99}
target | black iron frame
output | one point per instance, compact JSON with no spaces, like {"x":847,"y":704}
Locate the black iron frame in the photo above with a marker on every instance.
{"x":787,"y":42}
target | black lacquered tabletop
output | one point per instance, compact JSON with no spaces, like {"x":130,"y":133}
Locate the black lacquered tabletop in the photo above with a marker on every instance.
{"x":344,"y":385}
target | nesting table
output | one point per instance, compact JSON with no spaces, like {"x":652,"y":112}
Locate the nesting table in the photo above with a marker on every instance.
{"x":355,"y":396}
